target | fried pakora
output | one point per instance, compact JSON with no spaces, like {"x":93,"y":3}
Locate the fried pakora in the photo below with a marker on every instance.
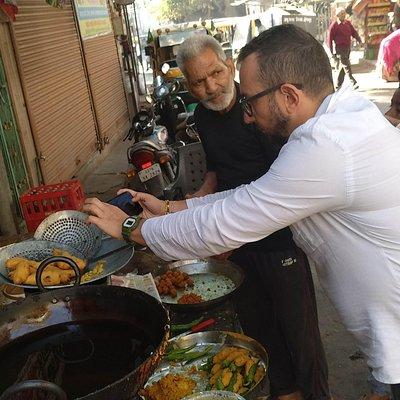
{"x":79,"y":262}
{"x":190,"y":298}
{"x":173,"y":280}
{"x":23,"y":270}
{"x":235,"y":369}
{"x":170,"y":387}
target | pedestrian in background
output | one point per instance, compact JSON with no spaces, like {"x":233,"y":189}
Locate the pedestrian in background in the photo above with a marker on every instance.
{"x":393,"y":114}
{"x":341,"y":31}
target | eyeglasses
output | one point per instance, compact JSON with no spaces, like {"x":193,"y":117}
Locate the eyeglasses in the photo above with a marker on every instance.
{"x":245,"y":102}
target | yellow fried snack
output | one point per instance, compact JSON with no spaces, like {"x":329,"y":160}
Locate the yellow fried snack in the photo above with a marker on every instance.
{"x":21,"y":273}
{"x":12,"y":263}
{"x":226,"y":376}
{"x":96,"y":271}
{"x":239,"y":383}
{"x":259,"y":374}
{"x":222,"y":354}
{"x":235,"y":369}
{"x":51,"y":276}
{"x":170,"y":387}
{"x":79,"y":262}
{"x":31,"y":280}
{"x":66,"y":275}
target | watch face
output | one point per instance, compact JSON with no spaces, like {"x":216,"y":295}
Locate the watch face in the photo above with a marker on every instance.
{"x":130,"y":222}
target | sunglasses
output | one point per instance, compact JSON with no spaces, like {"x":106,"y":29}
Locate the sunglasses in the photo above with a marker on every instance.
{"x":245,"y":102}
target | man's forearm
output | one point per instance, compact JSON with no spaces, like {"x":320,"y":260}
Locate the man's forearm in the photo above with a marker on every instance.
{"x":179,"y":205}
{"x":209,"y":185}
{"x":136,"y":234}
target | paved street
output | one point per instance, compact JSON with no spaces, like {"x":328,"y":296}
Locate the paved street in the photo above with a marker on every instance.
{"x":348,"y":372}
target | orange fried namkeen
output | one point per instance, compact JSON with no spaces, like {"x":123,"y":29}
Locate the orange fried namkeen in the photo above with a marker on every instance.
{"x":172,"y":280}
{"x":190,"y":298}
{"x":170,"y":387}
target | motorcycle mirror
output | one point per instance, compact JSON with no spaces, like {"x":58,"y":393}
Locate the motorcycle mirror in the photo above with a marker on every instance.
{"x":149,"y":99}
{"x":165,"y":68}
{"x":158,"y":81}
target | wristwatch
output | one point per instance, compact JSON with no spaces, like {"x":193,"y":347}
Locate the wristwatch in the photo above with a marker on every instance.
{"x":129,"y":225}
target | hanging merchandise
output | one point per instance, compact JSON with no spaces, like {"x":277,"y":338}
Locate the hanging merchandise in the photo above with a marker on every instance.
{"x":56,"y":3}
{"x":9,"y":7}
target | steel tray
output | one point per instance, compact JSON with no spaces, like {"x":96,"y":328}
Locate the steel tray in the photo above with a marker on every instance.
{"x":215,"y":281}
{"x":215,"y":339}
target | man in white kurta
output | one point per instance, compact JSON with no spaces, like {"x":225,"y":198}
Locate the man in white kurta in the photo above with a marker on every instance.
{"x":337,"y":184}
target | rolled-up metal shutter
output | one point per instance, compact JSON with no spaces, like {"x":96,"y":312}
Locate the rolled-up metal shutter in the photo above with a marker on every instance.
{"x":56,"y":89}
{"x":106,"y":84}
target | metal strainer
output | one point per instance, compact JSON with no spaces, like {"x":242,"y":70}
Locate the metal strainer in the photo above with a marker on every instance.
{"x":69,"y":227}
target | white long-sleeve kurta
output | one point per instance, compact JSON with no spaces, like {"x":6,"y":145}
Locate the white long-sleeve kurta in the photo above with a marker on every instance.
{"x":337,"y":183}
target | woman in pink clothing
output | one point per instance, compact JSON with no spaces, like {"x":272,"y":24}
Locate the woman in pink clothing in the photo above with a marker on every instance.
{"x":388,"y":63}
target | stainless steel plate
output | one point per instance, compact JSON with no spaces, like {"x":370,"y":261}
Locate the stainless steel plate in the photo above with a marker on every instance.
{"x":215,"y":339}
{"x":70,"y":228}
{"x":214,"y":395}
{"x":214,"y":281}
{"x":39,"y":250}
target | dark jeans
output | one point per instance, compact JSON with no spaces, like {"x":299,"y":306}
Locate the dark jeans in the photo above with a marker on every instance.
{"x":345,"y":66}
{"x":396,"y":392}
{"x":276,"y":306}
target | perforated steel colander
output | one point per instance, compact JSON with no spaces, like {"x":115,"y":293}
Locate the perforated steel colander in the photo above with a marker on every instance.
{"x":70,"y":228}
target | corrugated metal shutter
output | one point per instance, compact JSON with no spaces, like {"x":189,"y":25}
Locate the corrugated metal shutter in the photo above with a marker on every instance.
{"x":106,"y":84}
{"x":56,"y":89}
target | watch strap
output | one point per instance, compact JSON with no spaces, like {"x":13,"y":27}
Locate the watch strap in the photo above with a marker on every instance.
{"x":129,"y":225}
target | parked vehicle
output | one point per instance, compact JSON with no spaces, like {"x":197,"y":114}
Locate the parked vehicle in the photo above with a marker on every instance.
{"x":152,"y":159}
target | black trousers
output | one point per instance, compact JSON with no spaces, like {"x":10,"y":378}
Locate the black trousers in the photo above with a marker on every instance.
{"x":345,"y":66}
{"x":396,"y":392}
{"x":276,"y":306}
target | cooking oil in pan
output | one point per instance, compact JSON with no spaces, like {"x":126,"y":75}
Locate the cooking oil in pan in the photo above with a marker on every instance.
{"x":80,"y":358}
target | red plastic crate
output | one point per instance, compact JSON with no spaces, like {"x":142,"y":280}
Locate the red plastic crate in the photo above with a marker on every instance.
{"x":41,"y":201}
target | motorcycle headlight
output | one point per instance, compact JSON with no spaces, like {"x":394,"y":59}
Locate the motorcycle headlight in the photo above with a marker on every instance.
{"x":161,"y":91}
{"x":162,"y":135}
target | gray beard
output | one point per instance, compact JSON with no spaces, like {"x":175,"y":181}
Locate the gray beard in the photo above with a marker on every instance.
{"x":227,"y":99}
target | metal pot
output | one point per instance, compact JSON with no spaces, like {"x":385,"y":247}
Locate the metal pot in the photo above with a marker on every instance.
{"x":94,"y":342}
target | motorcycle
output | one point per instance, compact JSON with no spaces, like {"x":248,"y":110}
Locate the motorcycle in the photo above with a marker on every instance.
{"x":153,"y":160}
{"x":157,"y":133}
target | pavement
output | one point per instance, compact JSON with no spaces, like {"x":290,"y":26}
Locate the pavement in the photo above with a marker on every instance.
{"x":348,"y":370}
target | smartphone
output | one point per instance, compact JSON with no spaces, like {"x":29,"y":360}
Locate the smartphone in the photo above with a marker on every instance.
{"x":124,"y":202}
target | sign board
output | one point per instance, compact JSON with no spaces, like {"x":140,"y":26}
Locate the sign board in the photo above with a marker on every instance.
{"x":306,"y":22}
{"x":93,"y":18}
{"x":124,"y":2}
{"x":178,"y":37}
